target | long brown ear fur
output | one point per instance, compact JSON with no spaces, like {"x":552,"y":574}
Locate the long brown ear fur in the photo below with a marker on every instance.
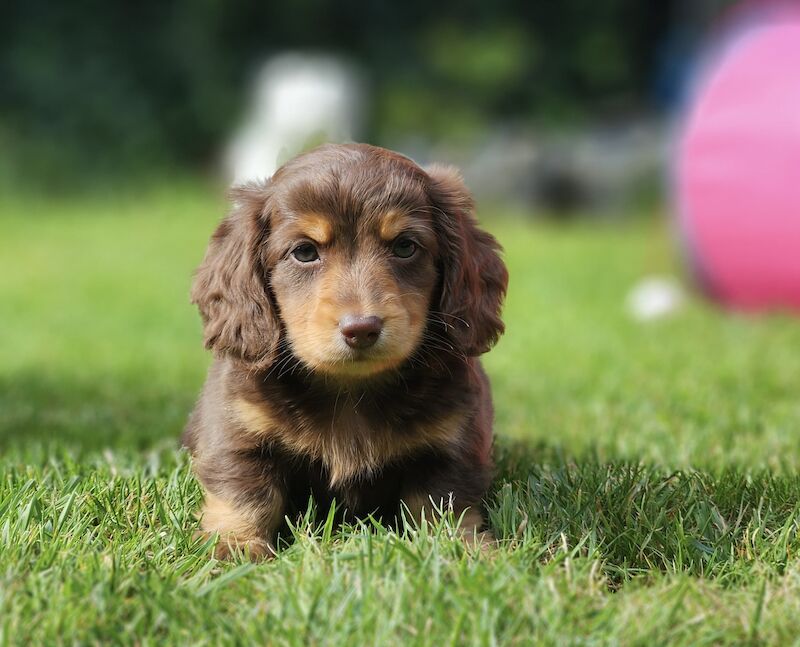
{"x":230,"y":286}
{"x":474,"y":278}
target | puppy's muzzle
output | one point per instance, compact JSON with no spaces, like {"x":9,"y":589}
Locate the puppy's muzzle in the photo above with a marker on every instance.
{"x":360,"y":332}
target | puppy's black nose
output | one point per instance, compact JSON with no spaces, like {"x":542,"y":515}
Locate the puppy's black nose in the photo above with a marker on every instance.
{"x":360,"y":332}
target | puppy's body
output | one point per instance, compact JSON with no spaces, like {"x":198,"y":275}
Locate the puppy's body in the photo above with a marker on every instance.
{"x":423,"y":435}
{"x":302,"y":402}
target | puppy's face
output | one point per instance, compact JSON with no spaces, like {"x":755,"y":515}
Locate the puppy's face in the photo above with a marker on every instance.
{"x":353,"y":288}
{"x":350,"y":257}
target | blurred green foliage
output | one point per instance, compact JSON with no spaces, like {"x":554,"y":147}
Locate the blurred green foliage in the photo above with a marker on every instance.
{"x":96,"y":88}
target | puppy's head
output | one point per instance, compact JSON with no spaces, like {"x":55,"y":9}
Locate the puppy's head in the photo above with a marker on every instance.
{"x":355,"y":257}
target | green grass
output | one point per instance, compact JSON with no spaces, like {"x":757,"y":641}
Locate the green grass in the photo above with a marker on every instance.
{"x":647,"y":488}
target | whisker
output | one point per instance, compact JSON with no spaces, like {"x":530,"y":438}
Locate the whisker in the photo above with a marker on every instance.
{"x":363,"y":393}
{"x":451,"y":316}
{"x":335,"y":403}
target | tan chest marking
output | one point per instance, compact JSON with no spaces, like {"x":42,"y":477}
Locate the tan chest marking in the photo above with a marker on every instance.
{"x":349,"y":447}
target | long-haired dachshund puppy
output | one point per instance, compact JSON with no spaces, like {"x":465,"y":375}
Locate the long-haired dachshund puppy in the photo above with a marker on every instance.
{"x":346,"y":301}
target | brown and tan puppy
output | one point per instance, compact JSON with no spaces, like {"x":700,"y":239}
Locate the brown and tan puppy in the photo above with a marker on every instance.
{"x":346,"y":301}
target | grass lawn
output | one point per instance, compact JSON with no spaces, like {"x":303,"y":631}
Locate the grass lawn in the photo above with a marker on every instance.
{"x":647,"y":488}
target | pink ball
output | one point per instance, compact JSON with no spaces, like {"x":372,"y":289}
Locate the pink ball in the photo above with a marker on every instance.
{"x":738,"y":170}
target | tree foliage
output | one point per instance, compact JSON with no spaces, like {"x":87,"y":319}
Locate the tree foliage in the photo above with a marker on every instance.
{"x":102,"y":86}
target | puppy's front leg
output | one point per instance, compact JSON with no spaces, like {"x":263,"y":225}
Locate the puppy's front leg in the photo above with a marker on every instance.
{"x":244,"y":504}
{"x":456,"y":484}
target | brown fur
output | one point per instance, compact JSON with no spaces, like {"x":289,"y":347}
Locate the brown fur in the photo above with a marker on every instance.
{"x":291,"y":411}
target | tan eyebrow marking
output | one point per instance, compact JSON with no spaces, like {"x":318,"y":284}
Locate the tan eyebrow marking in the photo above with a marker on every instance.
{"x":393,"y":224}
{"x":316,"y":226}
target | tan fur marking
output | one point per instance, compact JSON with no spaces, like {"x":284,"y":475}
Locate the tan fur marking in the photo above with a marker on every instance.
{"x":317,"y":227}
{"x":419,"y":503}
{"x":469,"y":528}
{"x":393,"y":224}
{"x":367,"y":451}
{"x":220,"y":516}
{"x":255,"y":417}
{"x":349,"y":447}
{"x":250,"y":529}
{"x":414,"y":504}
{"x":471,"y":521}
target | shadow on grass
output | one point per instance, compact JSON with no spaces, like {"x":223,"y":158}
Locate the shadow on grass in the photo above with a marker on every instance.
{"x":636,"y":518}
{"x":49,"y":412}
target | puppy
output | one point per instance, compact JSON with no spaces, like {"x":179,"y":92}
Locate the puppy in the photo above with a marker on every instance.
{"x":346,"y":301}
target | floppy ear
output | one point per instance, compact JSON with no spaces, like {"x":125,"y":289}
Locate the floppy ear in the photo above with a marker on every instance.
{"x":230,"y":286}
{"x":473,"y":277}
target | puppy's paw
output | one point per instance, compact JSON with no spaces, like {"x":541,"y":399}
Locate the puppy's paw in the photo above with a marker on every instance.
{"x":229,"y":547}
{"x":478,"y":541}
{"x":256,"y":550}
{"x":471,"y":533}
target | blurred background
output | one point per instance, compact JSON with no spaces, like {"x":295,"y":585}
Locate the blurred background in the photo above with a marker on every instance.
{"x":122,"y":123}
{"x":558,"y":103}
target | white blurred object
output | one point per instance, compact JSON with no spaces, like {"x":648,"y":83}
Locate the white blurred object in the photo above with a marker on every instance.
{"x":298,"y":100}
{"x":655,"y":297}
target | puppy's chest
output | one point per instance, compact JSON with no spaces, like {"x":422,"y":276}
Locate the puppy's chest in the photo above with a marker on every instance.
{"x":348,"y":443}
{"x":378,"y":495}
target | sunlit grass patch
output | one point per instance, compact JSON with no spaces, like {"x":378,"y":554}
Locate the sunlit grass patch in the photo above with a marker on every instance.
{"x":646,"y":488}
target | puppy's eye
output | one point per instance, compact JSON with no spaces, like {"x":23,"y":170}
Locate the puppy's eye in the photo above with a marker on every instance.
{"x":404,"y":247}
{"x":305,"y":253}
